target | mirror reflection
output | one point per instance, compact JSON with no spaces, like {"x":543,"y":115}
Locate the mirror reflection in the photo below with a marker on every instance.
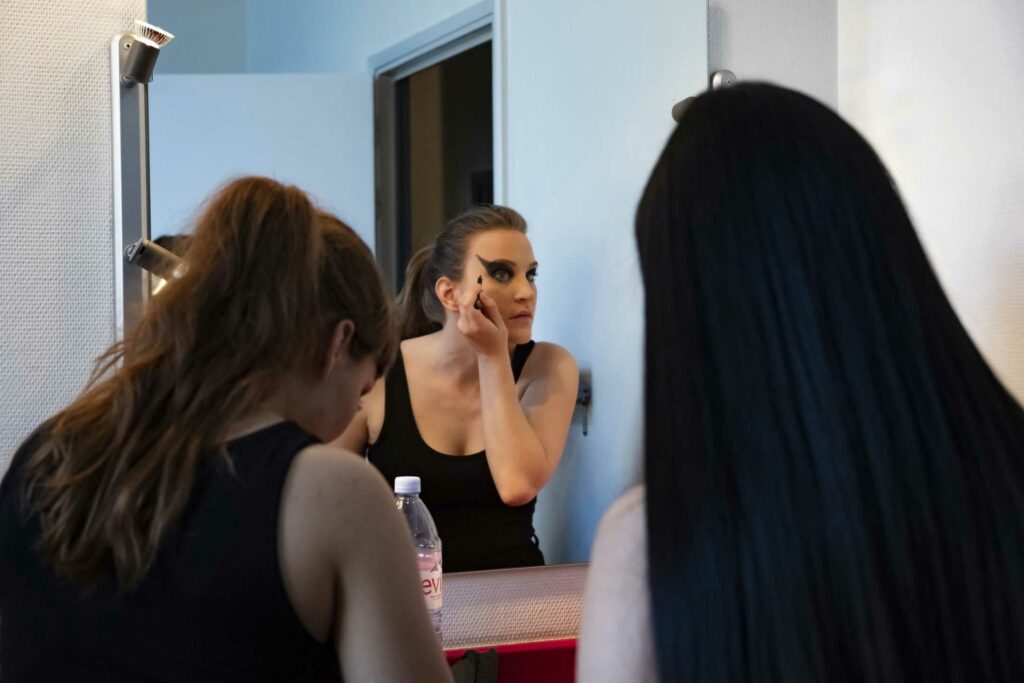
{"x":473,"y":405}
{"x":492,"y":163}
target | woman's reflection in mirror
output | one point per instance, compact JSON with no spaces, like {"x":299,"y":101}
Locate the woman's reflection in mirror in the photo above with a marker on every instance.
{"x":473,"y":406}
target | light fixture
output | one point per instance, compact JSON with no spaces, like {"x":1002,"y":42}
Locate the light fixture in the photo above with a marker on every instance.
{"x":154,"y":259}
{"x":133,"y":56}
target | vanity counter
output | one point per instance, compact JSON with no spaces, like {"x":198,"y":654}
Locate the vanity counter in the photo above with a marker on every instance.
{"x":531,"y":616}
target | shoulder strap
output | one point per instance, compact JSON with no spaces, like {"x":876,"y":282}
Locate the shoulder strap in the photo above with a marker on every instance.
{"x":519,"y":358}
{"x":397,"y":404}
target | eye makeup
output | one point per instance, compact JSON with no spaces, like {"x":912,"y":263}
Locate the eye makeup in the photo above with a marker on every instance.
{"x":503,"y":271}
{"x":500,"y":271}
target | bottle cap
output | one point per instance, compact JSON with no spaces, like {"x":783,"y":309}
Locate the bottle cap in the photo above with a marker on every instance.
{"x":406,"y":485}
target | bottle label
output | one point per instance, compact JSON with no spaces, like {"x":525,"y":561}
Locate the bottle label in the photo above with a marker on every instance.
{"x":431,"y":583}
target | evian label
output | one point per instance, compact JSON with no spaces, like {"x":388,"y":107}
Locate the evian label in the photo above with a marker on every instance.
{"x":430,"y":581}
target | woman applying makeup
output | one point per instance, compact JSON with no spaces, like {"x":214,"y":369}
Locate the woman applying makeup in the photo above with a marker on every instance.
{"x":473,"y":406}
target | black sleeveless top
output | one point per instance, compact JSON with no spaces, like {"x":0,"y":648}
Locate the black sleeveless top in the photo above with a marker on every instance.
{"x":212,"y":608}
{"x":477,"y":530}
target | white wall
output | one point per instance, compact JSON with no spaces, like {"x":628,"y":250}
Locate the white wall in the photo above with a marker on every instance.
{"x":276,"y":118}
{"x":56,"y":213}
{"x":297,"y":128}
{"x":935,"y":86}
{"x":589,"y":99}
{"x":327,"y":35}
{"x":788,"y":42}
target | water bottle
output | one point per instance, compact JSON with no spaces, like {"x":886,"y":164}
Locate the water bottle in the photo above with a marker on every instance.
{"x":427,"y":542}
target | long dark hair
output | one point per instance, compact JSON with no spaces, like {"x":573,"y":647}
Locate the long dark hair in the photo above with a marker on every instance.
{"x":419,"y":311}
{"x":835,"y":483}
{"x":269,"y":276}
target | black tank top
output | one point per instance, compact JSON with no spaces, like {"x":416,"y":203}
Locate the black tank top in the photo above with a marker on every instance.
{"x":212,"y":608}
{"x":477,"y":530}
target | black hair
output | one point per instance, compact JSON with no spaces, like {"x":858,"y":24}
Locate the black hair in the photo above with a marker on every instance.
{"x":834,"y":479}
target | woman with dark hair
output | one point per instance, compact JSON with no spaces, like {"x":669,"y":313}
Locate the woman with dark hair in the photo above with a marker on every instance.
{"x":834,"y":483}
{"x":181,"y":519}
{"x":473,"y":406}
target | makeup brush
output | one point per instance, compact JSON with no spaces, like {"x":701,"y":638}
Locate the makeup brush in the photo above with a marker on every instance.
{"x":477,"y":305}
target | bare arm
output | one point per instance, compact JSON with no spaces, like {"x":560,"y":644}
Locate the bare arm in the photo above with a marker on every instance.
{"x":525,"y":438}
{"x":381,"y":628}
{"x":616,"y":636}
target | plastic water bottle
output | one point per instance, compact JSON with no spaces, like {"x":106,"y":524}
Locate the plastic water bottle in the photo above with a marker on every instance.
{"x":427,"y":542}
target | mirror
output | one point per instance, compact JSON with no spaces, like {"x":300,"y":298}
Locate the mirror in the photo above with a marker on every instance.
{"x":553,"y":109}
{"x":580,"y":107}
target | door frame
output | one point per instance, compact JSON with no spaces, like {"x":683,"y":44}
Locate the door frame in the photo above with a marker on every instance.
{"x":463,"y":31}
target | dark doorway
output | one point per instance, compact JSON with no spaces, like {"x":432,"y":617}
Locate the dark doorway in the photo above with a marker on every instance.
{"x":443,"y":147}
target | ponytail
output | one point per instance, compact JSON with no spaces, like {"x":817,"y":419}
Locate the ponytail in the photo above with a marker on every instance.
{"x":419,"y":311}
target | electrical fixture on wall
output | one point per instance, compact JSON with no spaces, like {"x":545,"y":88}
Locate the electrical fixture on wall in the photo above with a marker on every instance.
{"x":723,"y":78}
{"x":161,"y":264}
{"x":154,"y":259}
{"x":133,"y":56}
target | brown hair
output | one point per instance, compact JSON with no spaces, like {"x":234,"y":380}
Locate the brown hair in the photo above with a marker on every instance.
{"x":269,"y":276}
{"x":419,"y":310}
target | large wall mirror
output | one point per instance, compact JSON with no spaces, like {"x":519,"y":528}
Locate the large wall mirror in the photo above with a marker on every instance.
{"x":395,"y":115}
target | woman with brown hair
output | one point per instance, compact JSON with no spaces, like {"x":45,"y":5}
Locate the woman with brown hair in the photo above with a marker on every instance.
{"x":473,"y":406}
{"x":181,"y":519}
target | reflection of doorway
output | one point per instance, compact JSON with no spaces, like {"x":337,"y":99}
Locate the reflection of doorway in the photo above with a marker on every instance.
{"x":444,"y":161}
{"x":435,"y":142}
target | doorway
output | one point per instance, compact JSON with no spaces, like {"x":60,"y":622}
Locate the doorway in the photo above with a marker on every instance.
{"x":444,"y":144}
{"x":434,"y":145}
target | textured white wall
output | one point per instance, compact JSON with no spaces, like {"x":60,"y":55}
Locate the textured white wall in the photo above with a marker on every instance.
{"x":56,"y":207}
{"x":789,"y":42}
{"x":935,"y":86}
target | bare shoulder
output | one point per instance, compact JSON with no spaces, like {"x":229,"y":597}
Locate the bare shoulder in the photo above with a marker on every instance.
{"x":549,"y":359}
{"x":619,"y":556}
{"x":616,"y":637}
{"x":627,"y":516}
{"x":620,"y":547}
{"x":415,"y":346}
{"x":327,"y":482}
{"x":414,"y":352}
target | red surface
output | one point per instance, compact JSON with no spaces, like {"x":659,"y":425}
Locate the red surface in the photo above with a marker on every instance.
{"x":548,"y":661}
